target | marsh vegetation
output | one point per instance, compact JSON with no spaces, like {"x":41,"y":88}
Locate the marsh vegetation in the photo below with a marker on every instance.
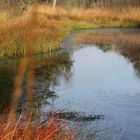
{"x":54,"y":69}
{"x":48,"y":27}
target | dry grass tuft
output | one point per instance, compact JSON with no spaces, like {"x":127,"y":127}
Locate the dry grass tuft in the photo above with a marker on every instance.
{"x":53,"y":130}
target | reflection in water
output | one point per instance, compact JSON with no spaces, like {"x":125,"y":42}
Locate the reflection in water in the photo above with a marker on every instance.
{"x":48,"y":73}
{"x":132,"y":52}
{"x":75,"y":116}
{"x":30,"y":82}
{"x":49,"y":68}
{"x":7,"y":74}
{"x":99,"y":80}
{"x":126,"y":42}
{"x":111,"y":66}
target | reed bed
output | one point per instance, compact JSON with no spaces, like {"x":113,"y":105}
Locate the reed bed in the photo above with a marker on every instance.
{"x":54,"y":130}
{"x":15,"y":35}
{"x":50,"y":26}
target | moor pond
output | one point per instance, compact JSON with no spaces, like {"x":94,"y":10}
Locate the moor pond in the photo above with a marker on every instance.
{"x":97,"y":72}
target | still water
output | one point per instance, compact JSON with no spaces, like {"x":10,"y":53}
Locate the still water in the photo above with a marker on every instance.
{"x":87,"y":78}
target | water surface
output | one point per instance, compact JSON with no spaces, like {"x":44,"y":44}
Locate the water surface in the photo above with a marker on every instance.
{"x":95,"y":78}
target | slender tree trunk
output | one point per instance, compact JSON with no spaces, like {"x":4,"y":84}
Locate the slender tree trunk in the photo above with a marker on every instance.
{"x":54,"y":3}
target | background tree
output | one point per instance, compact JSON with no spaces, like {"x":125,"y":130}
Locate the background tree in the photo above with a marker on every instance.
{"x":54,"y":3}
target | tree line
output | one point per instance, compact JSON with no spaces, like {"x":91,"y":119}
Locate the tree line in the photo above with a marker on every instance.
{"x":94,"y":3}
{"x":118,"y":3}
{"x":72,"y":3}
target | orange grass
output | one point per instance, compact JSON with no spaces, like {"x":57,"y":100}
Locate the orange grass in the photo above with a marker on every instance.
{"x":49,"y":26}
{"x":103,"y":17}
{"x":16,"y":33}
{"x":54,"y":130}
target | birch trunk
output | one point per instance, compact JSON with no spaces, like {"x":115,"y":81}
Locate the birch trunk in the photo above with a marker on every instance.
{"x":54,"y":3}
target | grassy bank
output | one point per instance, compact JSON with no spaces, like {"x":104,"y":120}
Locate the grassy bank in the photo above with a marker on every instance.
{"x":38,"y":35}
{"x":48,"y":27}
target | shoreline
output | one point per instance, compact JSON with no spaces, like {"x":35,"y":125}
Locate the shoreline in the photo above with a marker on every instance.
{"x":26,"y":36}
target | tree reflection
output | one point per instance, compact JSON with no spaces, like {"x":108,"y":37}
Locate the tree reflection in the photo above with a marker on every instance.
{"x":48,"y":74}
{"x":132,"y":52}
{"x":7,"y":74}
{"x":125,"y":42}
{"x":49,"y":68}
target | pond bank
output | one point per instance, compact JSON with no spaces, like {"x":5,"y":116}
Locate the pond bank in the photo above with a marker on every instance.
{"x":100,"y":80}
{"x":45,"y":30}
